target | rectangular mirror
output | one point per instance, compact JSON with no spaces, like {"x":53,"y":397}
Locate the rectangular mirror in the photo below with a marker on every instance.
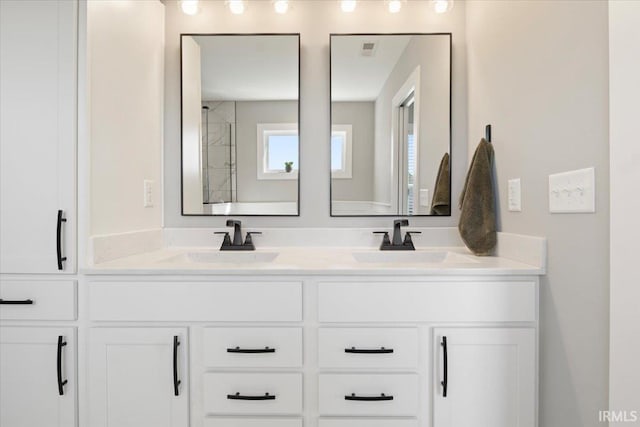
{"x":240,"y":147}
{"x":390,"y":124}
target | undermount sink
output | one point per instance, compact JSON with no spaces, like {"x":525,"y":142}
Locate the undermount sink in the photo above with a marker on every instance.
{"x":221,"y":257}
{"x":428,"y":257}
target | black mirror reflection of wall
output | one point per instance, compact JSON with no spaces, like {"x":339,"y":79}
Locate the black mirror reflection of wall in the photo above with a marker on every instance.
{"x":240,"y":145}
{"x":390,"y":124}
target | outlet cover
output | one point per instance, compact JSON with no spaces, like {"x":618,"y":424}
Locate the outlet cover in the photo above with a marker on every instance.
{"x":573,"y":192}
{"x":148,"y":193}
{"x":515,"y":195}
{"x":424,"y":197}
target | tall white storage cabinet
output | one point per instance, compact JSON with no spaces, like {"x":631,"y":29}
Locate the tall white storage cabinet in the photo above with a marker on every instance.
{"x":38,"y":92}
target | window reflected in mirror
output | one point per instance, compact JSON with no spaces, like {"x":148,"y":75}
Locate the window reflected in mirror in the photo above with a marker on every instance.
{"x":240,"y":143}
{"x":390,"y":124}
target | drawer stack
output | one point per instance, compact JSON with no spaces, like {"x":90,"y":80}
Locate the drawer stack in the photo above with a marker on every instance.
{"x":368,"y":372}
{"x":252,"y":376}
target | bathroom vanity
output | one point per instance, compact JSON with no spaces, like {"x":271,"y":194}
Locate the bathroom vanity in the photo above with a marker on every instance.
{"x":111,"y":319}
{"x":281,"y":337}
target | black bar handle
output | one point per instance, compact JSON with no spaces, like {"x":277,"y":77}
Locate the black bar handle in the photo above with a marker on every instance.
{"x":383,"y":397}
{"x":239,"y":396}
{"x":61,"y":383}
{"x":176,"y":381}
{"x":380,"y":350}
{"x":445,"y":376}
{"x":251,"y":350}
{"x":16,"y":302}
{"x":59,"y":240}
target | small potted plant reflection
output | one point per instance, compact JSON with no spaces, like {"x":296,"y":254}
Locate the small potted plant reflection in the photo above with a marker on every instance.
{"x":288,"y":166}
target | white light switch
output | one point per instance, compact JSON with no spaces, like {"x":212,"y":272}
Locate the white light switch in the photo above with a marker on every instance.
{"x":148,"y":193}
{"x":515,"y":195}
{"x":573,"y":192}
{"x":424,"y":197}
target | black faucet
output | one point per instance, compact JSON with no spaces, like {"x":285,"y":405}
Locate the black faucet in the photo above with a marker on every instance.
{"x":397,"y":243}
{"x":236,"y":244}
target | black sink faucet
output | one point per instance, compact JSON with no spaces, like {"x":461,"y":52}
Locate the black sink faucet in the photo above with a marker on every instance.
{"x":397,"y":233}
{"x":236,"y":244}
{"x":397,"y":243}
{"x":237,"y":231}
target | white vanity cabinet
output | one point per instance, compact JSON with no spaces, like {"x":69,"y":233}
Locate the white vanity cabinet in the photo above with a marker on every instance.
{"x":38,"y":87}
{"x":313,"y":351}
{"x":138,"y":377}
{"x":37,"y":377}
{"x":388,"y":348}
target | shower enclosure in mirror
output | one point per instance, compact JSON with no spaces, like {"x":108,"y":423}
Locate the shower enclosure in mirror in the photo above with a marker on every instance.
{"x":240,"y":145}
{"x":390,"y":124}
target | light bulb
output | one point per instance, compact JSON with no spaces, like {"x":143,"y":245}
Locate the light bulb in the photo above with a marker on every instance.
{"x":281,"y":6}
{"x":236,"y":7}
{"x":394,"y":6}
{"x":348,"y":5}
{"x":189,"y":7}
{"x":442,"y":6}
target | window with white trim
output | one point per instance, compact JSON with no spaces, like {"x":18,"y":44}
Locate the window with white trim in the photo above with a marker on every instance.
{"x":277,"y":151}
{"x":341,"y":152}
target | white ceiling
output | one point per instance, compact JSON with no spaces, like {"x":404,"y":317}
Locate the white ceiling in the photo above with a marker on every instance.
{"x":249,"y":68}
{"x":355,"y":77}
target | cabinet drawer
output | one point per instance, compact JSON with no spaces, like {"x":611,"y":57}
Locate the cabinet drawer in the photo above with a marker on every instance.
{"x":246,"y":393}
{"x":510,"y":301}
{"x":38,"y":300}
{"x":368,"y":347}
{"x":358,"y":394}
{"x":252,"y":347}
{"x":335,"y":422}
{"x":252,"y":422}
{"x":201,"y":301}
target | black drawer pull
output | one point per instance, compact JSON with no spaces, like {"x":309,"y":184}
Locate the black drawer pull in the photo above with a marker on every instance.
{"x":176,"y":381}
{"x":59,"y":240}
{"x":445,"y":376}
{"x":380,"y":350}
{"x":251,"y":350}
{"x":16,"y":302}
{"x":239,"y":396}
{"x":383,"y":397}
{"x":61,"y":382}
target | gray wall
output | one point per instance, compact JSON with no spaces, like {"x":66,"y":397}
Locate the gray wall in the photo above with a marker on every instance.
{"x":248,"y":115}
{"x":314,"y":20}
{"x":431,"y":53}
{"x":538,"y":71}
{"x":360,"y":116}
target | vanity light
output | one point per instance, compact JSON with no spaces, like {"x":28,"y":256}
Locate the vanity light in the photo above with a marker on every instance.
{"x":394,"y":6}
{"x":281,"y":6}
{"x":442,"y":6}
{"x":189,"y":7}
{"x":236,"y":6}
{"x":348,"y":5}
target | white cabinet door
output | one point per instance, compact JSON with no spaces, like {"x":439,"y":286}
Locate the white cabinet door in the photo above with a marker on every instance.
{"x":138,"y":377}
{"x":489,"y":377}
{"x":34,"y":365}
{"x":38,"y":88}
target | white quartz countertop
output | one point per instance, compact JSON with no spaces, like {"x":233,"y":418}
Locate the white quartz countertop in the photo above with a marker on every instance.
{"x":437,"y":261}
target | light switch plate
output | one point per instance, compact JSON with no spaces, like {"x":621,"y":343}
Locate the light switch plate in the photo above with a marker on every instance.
{"x":515,"y":195}
{"x":573,"y":192}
